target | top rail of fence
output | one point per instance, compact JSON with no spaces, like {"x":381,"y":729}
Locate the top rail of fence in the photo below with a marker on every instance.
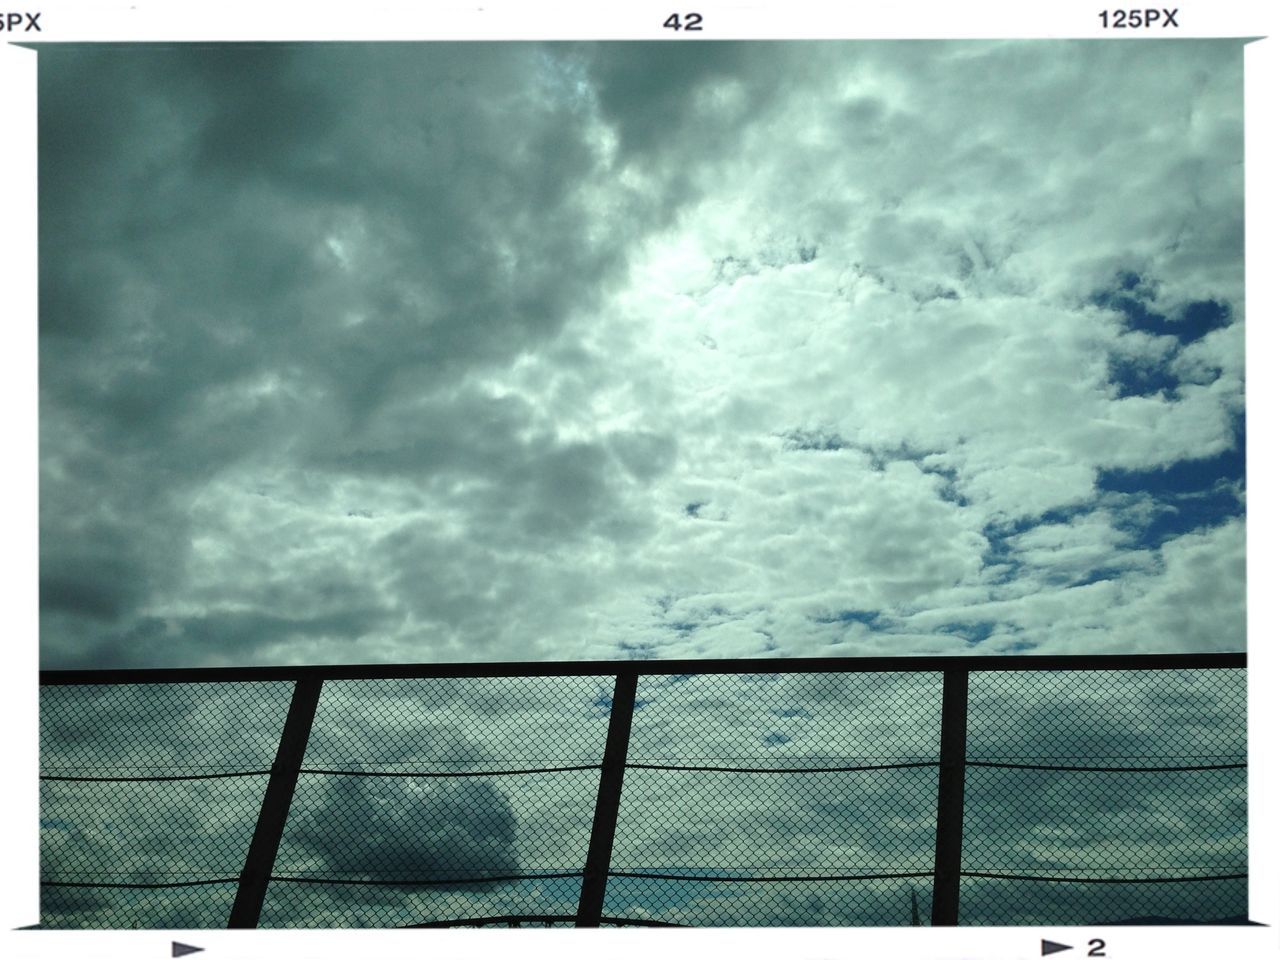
{"x":602,"y":668}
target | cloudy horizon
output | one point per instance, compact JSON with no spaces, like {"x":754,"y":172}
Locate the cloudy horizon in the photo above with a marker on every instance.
{"x":524,"y":351}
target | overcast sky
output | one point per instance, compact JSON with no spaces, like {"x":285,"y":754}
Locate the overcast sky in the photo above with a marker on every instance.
{"x":523,"y":351}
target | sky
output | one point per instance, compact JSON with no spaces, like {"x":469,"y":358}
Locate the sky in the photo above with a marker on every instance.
{"x":519,"y":351}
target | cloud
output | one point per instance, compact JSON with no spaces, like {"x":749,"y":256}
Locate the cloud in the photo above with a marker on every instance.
{"x":424,"y":351}
{"x":451,"y":830}
{"x":356,"y":353}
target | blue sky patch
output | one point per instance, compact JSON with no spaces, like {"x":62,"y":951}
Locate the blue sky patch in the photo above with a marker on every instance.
{"x":950,"y":489}
{"x":1132,"y":297}
{"x":1098,"y":576}
{"x":973,"y":633}
{"x":1185,"y":513}
{"x":999,"y":533}
{"x":1200,"y":318}
{"x":869,"y":617}
{"x":1133,"y":378}
{"x":1192,"y":494}
{"x":1183,"y":476}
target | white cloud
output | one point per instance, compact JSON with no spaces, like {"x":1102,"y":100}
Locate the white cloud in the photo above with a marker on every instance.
{"x":802,"y":329}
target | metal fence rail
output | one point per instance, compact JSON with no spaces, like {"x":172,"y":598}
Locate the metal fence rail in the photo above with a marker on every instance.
{"x":1070,"y":789}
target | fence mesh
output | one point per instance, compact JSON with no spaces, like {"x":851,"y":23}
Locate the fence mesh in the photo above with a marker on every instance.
{"x":442,"y":799}
{"x":774,"y":799}
{"x":1099,"y":778}
{"x":760,"y":778}
{"x":149,"y":795}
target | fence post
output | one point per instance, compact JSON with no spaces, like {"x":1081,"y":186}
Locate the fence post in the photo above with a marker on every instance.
{"x":261,"y":858}
{"x":951,"y":762}
{"x":612,"y":767}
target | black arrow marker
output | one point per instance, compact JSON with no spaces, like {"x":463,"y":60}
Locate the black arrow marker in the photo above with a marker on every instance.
{"x":1048,"y":946}
{"x":182,"y":949}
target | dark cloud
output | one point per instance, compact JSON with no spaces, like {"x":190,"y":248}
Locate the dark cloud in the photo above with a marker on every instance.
{"x":447,"y":830}
{"x":660,"y":97}
{"x":267,"y":252}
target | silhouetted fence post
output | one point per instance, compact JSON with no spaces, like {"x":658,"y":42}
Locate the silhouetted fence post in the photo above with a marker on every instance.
{"x":261,"y":858}
{"x":951,"y":761}
{"x":612,"y":767}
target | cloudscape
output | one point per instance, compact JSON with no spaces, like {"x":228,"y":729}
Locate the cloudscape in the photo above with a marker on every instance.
{"x":479,"y":352}
{"x":475,"y":352}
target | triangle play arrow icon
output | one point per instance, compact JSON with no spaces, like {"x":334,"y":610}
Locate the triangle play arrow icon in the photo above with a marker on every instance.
{"x":182,"y":949}
{"x":1048,"y":946}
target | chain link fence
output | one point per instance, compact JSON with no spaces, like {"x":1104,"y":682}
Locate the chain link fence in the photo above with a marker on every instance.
{"x":148,"y":798}
{"x":631,"y":794}
{"x":1113,"y":795}
{"x":440,"y":798}
{"x":767,"y":799}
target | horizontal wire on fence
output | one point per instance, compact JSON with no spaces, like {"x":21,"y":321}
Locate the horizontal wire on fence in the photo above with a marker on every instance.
{"x":427,"y":882}
{"x":913,"y":758}
{"x":1040,"y":766}
{"x":138,"y":766}
{"x":516,"y":919}
{"x":702,"y":876}
{"x":879,"y":766}
{"x":138,"y":886}
{"x":485,"y":921}
{"x":59,"y":778}
{"x":435,"y":760}
{"x":148,"y":871}
{"x":1116,"y":756}
{"x":445,"y":773}
{"x":1018,"y":876}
